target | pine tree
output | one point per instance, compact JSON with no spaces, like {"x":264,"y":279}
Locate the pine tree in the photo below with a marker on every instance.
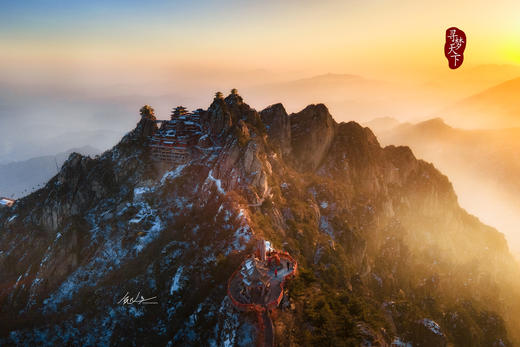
{"x":147,"y":111}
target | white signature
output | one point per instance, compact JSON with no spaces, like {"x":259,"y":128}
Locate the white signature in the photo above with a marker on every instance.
{"x":138,"y":299}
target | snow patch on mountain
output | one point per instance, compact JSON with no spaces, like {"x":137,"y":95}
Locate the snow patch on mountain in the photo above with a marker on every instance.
{"x":176,"y":282}
{"x":433,"y":326}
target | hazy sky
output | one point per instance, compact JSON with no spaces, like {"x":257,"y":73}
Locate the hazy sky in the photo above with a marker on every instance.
{"x":367,"y":37}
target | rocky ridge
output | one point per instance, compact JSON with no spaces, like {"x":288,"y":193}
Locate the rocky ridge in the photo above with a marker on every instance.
{"x":386,"y":253}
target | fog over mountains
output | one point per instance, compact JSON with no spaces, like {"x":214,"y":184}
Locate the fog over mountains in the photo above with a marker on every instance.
{"x":484,"y":165}
{"x":38,"y":121}
{"x":496,"y":107}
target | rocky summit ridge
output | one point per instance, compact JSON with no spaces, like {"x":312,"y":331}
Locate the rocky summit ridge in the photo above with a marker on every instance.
{"x":385,"y":253}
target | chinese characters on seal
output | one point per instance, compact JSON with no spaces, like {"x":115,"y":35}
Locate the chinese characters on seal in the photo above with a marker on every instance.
{"x":454,"y":47}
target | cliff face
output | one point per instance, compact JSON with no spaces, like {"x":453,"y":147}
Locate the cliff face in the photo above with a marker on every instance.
{"x":386,"y":253}
{"x":312,"y":131}
{"x":278,"y":127}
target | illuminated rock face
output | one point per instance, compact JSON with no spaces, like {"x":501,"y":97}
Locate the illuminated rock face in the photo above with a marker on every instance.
{"x":312,"y":132}
{"x":278,"y":127}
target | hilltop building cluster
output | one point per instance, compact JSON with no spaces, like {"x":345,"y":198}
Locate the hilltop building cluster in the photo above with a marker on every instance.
{"x":186,"y":134}
{"x":174,"y":141}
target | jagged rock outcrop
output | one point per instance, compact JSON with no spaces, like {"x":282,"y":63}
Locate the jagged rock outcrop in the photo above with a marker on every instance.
{"x":312,"y":132}
{"x":278,"y":127}
{"x":382,"y":243}
{"x":224,"y":114}
{"x":146,"y":127}
{"x":217,"y":119}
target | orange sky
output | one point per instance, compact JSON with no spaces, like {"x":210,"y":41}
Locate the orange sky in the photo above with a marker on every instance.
{"x":377,"y":39}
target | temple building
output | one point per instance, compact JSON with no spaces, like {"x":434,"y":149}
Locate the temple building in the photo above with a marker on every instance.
{"x":256,"y":281}
{"x":175,"y":139}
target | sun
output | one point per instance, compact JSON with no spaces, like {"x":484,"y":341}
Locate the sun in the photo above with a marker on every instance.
{"x":510,"y":49}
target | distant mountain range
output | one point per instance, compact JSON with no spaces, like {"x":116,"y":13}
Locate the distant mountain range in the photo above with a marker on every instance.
{"x":25,"y":145}
{"x":20,"y":178}
{"x":469,"y":81}
{"x":495,"y":107}
{"x":484,"y":165}
{"x":345,"y":94}
{"x":473,"y":98}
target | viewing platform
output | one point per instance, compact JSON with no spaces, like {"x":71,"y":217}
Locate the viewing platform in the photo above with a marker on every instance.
{"x":258,"y":286}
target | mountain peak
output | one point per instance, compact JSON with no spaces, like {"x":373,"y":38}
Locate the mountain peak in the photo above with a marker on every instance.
{"x":234,"y":98}
{"x":434,"y":124}
{"x":316,"y":109}
{"x":275,"y":109}
{"x":278,"y":126}
{"x":312,"y":132}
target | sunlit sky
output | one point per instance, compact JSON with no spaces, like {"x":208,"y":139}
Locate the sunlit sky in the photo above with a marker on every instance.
{"x":372,"y":38}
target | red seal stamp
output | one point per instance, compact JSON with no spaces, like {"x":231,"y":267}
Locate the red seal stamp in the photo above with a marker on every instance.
{"x":454,"y":47}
